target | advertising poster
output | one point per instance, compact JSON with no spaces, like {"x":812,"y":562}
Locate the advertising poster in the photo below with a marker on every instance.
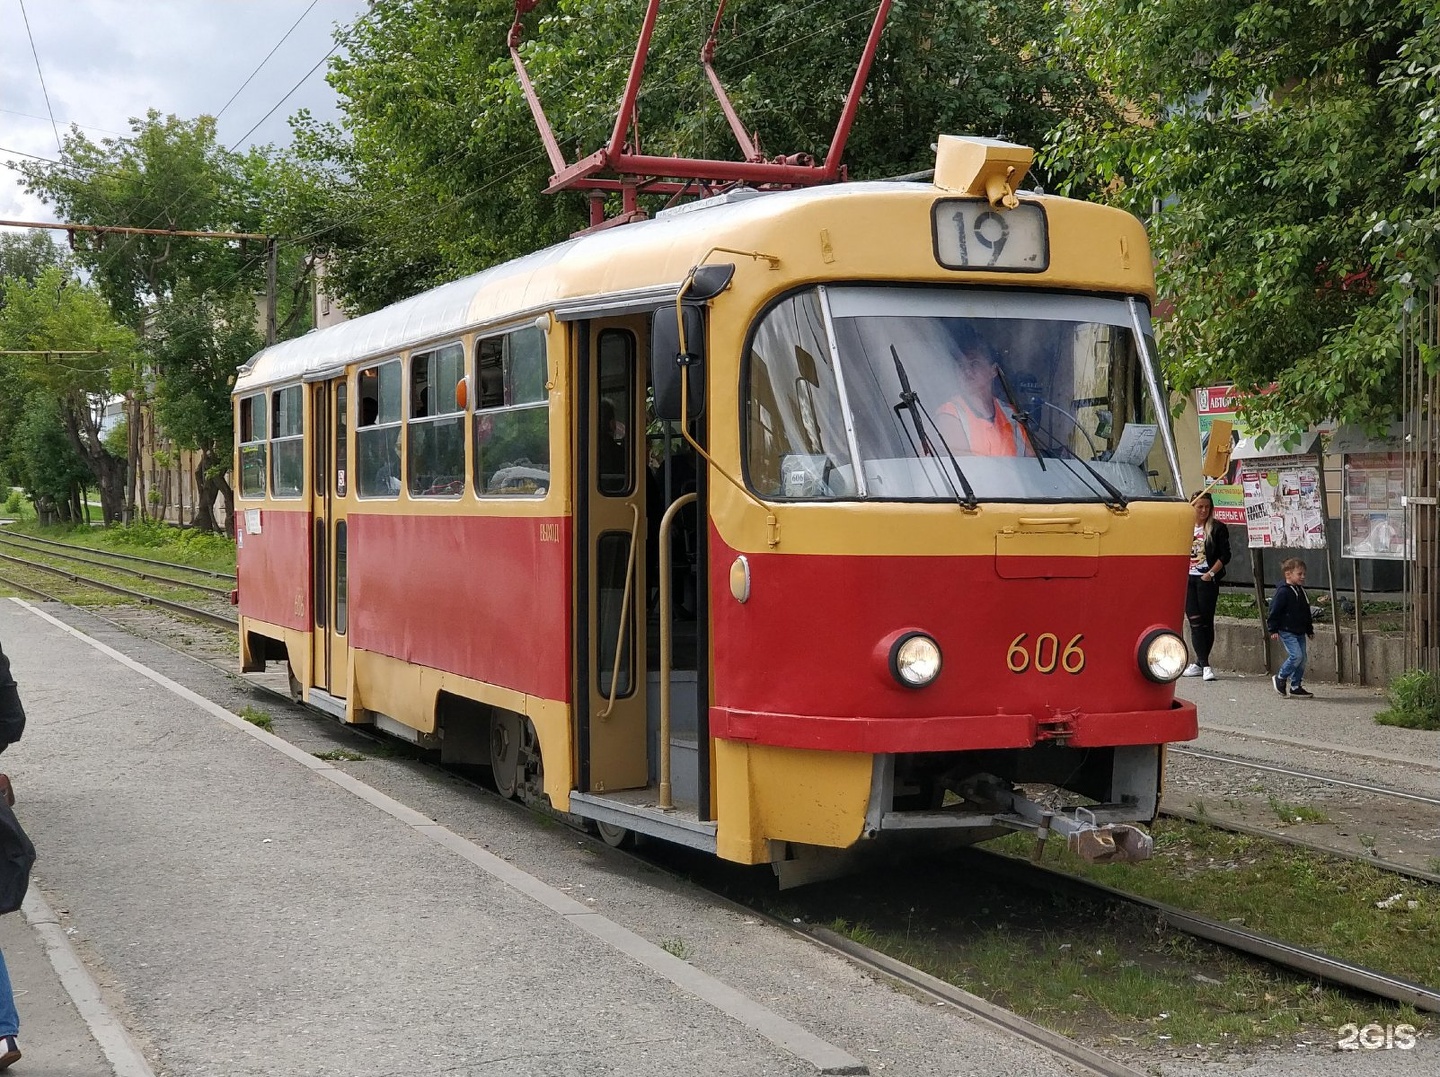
{"x":1282,"y":503}
{"x":1374,"y":519}
{"x":1214,"y":403}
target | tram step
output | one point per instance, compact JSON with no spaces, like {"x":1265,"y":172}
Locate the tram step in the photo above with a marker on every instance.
{"x":638,"y":810}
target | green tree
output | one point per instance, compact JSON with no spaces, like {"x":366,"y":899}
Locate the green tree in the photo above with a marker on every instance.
{"x":439,"y":171}
{"x":1293,"y":151}
{"x":56,"y":314}
{"x":54,"y":475}
{"x":168,"y":173}
{"x":196,"y":344}
{"x":171,"y":173}
{"x":23,"y":255}
{"x":27,"y":254}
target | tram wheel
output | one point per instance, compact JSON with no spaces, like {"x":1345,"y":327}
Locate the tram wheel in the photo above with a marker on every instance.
{"x":297,"y":694}
{"x":617,"y":837}
{"x":506,"y":734}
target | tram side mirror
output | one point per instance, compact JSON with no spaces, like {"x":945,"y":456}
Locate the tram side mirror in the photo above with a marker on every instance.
{"x":1219,"y":444}
{"x":668,"y":365}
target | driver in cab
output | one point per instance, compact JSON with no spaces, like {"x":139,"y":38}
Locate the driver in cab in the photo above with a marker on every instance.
{"x":974,"y":421}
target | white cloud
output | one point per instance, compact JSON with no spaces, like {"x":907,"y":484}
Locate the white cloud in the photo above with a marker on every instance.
{"x":106,"y":61}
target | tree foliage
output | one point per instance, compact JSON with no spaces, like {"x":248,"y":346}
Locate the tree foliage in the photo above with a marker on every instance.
{"x":1293,"y":151}
{"x":438,"y":170}
{"x":196,"y":343}
{"x":27,"y":254}
{"x":55,"y":315}
{"x":172,"y":174}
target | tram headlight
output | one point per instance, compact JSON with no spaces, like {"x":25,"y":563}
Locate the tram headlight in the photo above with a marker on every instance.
{"x":915,"y":660}
{"x":1162,"y":655}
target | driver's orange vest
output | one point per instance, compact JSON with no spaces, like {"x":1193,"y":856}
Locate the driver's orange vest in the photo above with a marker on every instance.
{"x":988,"y":437}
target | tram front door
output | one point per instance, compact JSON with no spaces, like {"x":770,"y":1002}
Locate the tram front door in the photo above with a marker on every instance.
{"x":611,"y":488}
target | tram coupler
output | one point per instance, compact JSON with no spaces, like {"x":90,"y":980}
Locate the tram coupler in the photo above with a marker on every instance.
{"x":1085,"y":836}
{"x":1113,"y":843}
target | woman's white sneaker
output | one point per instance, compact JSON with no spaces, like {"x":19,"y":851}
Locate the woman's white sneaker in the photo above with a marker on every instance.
{"x":1192,"y":670}
{"x":1208,"y":674}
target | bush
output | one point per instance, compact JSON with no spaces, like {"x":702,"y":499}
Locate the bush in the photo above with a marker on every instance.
{"x":14,"y":503}
{"x":1414,"y":701}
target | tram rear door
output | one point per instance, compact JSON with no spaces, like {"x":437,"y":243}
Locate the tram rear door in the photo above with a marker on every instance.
{"x":610,"y":548}
{"x":330,"y":654}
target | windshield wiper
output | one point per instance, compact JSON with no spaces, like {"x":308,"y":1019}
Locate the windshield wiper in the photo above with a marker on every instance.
{"x":1116,"y":497}
{"x":910,"y":400}
{"x":1021,"y":416}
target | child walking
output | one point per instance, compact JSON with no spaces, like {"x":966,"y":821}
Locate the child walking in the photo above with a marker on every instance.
{"x":1290,"y":622}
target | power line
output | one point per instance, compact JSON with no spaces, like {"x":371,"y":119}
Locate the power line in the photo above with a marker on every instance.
{"x":71,"y":123}
{"x":263,"y":62}
{"x":282,"y":100}
{"x":33,"y":52}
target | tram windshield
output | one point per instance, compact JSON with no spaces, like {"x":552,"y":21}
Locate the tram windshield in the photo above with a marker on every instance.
{"x":891,"y":393}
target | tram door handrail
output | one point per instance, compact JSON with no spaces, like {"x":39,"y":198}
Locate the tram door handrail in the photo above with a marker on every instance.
{"x":624,"y":611}
{"x":666,"y":557}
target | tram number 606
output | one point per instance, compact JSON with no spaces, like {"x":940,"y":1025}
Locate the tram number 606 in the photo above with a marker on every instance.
{"x":1046,"y":656}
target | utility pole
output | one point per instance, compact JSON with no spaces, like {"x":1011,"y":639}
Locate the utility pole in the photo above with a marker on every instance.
{"x":271,"y":252}
{"x":271,"y":265}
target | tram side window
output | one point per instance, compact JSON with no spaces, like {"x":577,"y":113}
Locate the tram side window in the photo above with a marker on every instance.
{"x":377,"y":435}
{"x":287,"y":442}
{"x":252,"y":445}
{"x":614,"y":455}
{"x":436,"y":431}
{"x":342,"y":436}
{"x":512,"y":416}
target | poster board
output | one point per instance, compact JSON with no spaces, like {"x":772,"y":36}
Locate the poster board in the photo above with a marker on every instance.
{"x":1374,"y":500}
{"x":1221,"y":402}
{"x":1283,"y":508}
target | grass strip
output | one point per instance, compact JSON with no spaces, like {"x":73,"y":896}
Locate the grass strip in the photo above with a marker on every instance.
{"x":161,"y":542}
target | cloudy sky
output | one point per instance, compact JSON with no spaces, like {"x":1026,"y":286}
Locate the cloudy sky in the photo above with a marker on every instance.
{"x":105,"y":61}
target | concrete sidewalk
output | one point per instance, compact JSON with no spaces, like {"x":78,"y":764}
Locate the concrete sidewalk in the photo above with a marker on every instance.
{"x":54,"y":1039}
{"x":250,"y":909}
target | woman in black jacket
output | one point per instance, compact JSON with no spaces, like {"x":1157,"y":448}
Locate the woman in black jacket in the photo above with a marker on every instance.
{"x":1209,"y":554}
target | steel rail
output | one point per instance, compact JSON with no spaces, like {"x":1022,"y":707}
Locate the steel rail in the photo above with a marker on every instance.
{"x":27,"y":589}
{"x":20,"y":544}
{"x":1272,"y":768}
{"x":1285,"y":955}
{"x":1222,"y":823}
{"x":1072,"y":1051}
{"x":151,"y":600}
{"x":16,"y":537}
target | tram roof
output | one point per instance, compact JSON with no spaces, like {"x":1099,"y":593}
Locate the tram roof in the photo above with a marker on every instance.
{"x":627,"y":269}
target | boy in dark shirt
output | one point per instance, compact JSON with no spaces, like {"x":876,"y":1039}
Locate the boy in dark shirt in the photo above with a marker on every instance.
{"x":1290,"y":622}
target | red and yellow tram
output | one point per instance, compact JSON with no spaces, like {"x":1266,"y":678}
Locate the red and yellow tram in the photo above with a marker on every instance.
{"x":874,"y":616}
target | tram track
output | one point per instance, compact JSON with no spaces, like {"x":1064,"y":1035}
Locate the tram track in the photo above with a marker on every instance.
{"x":1290,"y":772}
{"x":1297,"y":959}
{"x":139,"y":596}
{"x":18,"y":537}
{"x":1385,"y":827}
{"x":9,"y":541}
